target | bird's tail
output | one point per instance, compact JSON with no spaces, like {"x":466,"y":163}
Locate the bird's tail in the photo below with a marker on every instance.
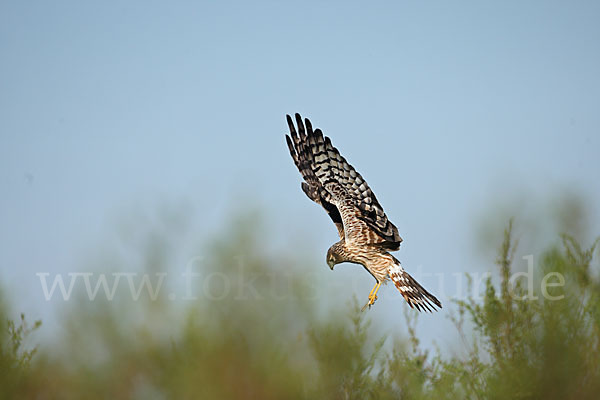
{"x":414,"y":294}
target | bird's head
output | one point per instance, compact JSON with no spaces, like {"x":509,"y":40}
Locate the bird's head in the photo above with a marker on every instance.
{"x":333,"y":256}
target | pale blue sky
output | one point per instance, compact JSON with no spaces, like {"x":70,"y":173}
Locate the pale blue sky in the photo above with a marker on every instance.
{"x":443,"y":106}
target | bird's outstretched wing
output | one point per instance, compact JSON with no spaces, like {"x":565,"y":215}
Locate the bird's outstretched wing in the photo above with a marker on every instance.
{"x":332,"y":182}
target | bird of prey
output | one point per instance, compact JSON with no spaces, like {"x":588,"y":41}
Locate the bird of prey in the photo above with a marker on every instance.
{"x":366,"y":234}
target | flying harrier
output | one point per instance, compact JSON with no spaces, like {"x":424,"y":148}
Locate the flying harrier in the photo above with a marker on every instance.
{"x":366,"y":234}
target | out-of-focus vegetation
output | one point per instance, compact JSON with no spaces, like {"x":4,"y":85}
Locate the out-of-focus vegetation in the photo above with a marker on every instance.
{"x":267,"y":341}
{"x":14,"y":357}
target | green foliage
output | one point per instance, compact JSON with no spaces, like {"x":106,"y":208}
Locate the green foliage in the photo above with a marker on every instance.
{"x":254,"y":343}
{"x":345,"y":359}
{"x":19,"y":357}
{"x":547,"y":346}
{"x":15,"y":358}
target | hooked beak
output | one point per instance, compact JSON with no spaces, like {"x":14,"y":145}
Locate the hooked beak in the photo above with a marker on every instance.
{"x":331,"y":264}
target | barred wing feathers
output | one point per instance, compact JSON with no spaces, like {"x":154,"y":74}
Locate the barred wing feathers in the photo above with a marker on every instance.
{"x":324,"y":168}
{"x":415,"y":295}
{"x":303,"y":158}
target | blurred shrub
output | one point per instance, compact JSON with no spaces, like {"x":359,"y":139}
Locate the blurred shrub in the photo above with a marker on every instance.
{"x":15,"y":357}
{"x":264,"y":346}
{"x":546,"y":346}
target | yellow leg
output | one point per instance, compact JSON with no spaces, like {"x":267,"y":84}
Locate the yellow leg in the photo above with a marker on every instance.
{"x":372,"y":296}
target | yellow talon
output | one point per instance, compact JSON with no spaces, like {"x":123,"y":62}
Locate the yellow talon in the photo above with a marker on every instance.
{"x":372,"y":296}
